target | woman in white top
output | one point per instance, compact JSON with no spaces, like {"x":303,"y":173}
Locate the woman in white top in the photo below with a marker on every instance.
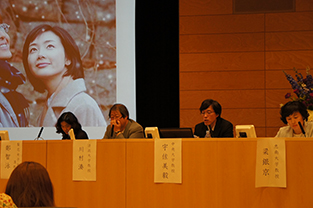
{"x":295,"y":115}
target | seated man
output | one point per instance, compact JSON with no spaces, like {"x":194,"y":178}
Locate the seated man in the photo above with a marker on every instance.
{"x":213,"y":125}
{"x":121,"y":126}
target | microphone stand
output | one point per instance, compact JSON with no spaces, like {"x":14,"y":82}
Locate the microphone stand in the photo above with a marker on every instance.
{"x":302,"y":129}
{"x":39,"y":134}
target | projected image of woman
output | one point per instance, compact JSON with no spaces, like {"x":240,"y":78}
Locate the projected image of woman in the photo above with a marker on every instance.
{"x":52,"y":63}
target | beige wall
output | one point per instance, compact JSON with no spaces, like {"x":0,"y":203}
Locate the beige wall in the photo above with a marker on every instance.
{"x":237,"y":59}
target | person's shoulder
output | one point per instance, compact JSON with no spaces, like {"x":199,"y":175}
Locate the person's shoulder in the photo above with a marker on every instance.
{"x":7,"y":201}
{"x":83,"y":101}
{"x":225,"y":121}
{"x":199,"y":125}
{"x":83,"y":97}
{"x":309,"y":123}
{"x":284,"y":129}
{"x":82,"y":134}
{"x":134,"y":123}
{"x":309,"y":126}
{"x":4,"y":196}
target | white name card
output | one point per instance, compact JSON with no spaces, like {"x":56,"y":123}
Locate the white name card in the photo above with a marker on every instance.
{"x":84,"y":160}
{"x":271,"y":163}
{"x":167,"y":161}
{"x":11,"y":156}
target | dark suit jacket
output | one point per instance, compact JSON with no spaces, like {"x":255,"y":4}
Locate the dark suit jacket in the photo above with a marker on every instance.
{"x":81,"y":134}
{"x":223,"y":128}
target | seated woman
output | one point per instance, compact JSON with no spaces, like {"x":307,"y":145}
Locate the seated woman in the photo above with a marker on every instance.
{"x":69,"y":121}
{"x":295,"y":114}
{"x":6,"y":201}
{"x":30,"y":186}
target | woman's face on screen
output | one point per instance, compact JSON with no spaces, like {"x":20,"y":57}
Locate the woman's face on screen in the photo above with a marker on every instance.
{"x":5,"y":52}
{"x":46,"y":58}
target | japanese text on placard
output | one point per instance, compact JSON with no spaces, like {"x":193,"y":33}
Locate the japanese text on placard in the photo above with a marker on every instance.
{"x":84,"y":160}
{"x":11,"y":156}
{"x":271,"y":163}
{"x":168,"y":161}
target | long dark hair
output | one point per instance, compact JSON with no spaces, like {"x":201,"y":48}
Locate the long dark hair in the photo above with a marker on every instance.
{"x":75,"y":69}
{"x":69,"y":118}
{"x":30,"y":186}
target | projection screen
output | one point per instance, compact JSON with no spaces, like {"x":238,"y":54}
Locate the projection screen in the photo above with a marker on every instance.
{"x":104,"y":31}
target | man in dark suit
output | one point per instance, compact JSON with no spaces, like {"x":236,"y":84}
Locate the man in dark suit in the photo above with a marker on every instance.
{"x":213,"y":125}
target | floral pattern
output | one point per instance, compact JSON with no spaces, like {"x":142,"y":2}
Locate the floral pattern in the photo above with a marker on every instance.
{"x":302,"y":87}
{"x":6,"y":201}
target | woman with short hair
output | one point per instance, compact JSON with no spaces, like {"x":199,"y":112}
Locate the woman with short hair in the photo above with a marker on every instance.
{"x":295,"y":115}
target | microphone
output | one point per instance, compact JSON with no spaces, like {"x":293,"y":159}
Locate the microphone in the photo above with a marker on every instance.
{"x":39,"y":134}
{"x":112,"y":131}
{"x":301,"y":127}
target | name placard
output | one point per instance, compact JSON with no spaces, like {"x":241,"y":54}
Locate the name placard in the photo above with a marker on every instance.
{"x":167,"y":161}
{"x":84,"y":160}
{"x":11,"y":156}
{"x":271,"y":163}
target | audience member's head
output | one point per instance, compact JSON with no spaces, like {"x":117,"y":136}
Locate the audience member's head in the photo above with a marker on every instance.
{"x":30,"y":186}
{"x":6,"y":201}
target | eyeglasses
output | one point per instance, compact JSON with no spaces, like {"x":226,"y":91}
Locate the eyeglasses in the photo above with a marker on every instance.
{"x":5,"y":27}
{"x":207,"y":112}
{"x":115,"y":117}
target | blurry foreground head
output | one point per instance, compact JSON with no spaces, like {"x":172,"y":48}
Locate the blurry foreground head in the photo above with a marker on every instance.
{"x":30,"y":186}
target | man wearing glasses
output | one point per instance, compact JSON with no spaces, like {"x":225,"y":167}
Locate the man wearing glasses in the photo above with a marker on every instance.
{"x":213,"y":125}
{"x":121,"y":126}
{"x":13,"y":105}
